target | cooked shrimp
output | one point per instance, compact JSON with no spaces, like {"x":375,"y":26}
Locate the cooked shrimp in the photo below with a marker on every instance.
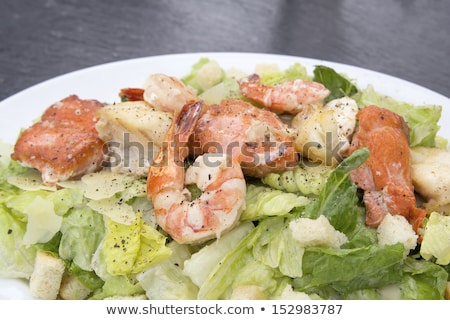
{"x":291,"y":96}
{"x":257,"y":138}
{"x":131,"y":94}
{"x":386,"y":175}
{"x":64,"y":144}
{"x":167,"y":93}
{"x":219,"y":177}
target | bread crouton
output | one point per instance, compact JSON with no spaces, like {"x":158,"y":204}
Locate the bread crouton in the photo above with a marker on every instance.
{"x":72,"y":289}
{"x":46,"y":277}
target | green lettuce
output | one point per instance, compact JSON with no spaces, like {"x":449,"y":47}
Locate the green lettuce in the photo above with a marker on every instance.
{"x":228,"y":89}
{"x":219,"y":283}
{"x":423,"y":280}
{"x":82,"y":231}
{"x":338,"y":201}
{"x":338,"y":85}
{"x":200,"y":265}
{"x":204,"y":74}
{"x":277,"y":248}
{"x":166,"y":280}
{"x":263,"y":201}
{"x":120,"y":286}
{"x":132,"y":248}
{"x":88,"y":278}
{"x":436,"y":239}
{"x":16,"y":259}
{"x":43,"y":211}
{"x":295,"y":71}
{"x":347,"y":270}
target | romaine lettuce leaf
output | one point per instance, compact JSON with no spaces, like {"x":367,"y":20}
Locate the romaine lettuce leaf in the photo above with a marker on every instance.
{"x":263,"y":201}
{"x":16,"y":259}
{"x":120,"y":286}
{"x":82,"y":231}
{"x":423,"y":280}
{"x":200,"y":265}
{"x":262,"y":254}
{"x":338,"y":85}
{"x":204,"y":74}
{"x":295,"y":71}
{"x":132,"y":248}
{"x":87,"y":278}
{"x":227,"y":89}
{"x":277,"y":248}
{"x":338,"y":201}
{"x":166,"y":280}
{"x":436,"y":239}
{"x":347,"y":270}
{"x":219,"y":283}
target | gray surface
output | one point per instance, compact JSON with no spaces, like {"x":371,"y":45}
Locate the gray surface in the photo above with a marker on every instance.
{"x":43,"y":39}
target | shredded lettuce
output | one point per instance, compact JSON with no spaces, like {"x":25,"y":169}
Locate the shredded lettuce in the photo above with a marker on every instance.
{"x":227,"y":275}
{"x":295,"y":71}
{"x":130,"y":249}
{"x":436,"y":239}
{"x":82,"y":231}
{"x":166,"y":280}
{"x":204,"y":74}
{"x":422,"y":280}
{"x":200,"y":265}
{"x":227,"y":89}
{"x":16,"y":259}
{"x":346,"y":270}
{"x":119,"y":287}
{"x":263,"y":201}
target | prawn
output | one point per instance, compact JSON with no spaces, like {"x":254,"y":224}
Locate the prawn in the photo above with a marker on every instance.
{"x":257,"y":138}
{"x":290,"y":96}
{"x":386,"y":175}
{"x":167,"y":93}
{"x":219,"y":177}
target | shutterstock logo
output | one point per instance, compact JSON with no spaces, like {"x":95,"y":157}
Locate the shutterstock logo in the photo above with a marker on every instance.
{"x":130,"y":153}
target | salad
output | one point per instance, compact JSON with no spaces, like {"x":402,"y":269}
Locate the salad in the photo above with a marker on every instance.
{"x":301,"y":235}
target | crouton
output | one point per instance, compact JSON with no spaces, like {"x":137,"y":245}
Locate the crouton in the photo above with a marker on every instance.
{"x":316,"y":232}
{"x":72,"y":289}
{"x":46,"y":277}
{"x":396,"y":229}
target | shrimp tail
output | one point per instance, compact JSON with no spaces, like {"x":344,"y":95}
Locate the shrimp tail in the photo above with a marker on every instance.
{"x":187,"y":119}
{"x":174,"y":149}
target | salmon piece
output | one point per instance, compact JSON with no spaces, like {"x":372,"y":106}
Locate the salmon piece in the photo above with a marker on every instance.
{"x":386,"y":175}
{"x":64,"y":144}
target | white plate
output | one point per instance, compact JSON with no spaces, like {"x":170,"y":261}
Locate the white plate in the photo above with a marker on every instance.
{"x":105,"y":81}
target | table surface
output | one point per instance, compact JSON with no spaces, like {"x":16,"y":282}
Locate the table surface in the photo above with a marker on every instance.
{"x":403,"y":38}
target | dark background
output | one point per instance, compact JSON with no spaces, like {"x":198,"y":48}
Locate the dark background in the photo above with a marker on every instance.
{"x":404,"y":38}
